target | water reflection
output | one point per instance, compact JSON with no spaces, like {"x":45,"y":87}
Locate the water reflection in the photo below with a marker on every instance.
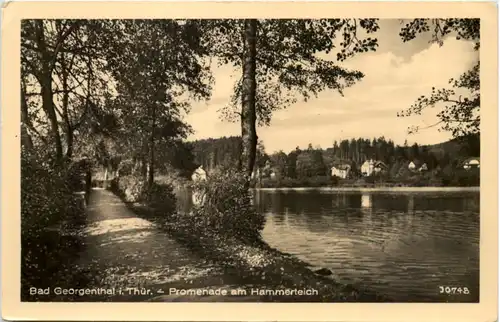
{"x":366,"y":200}
{"x":399,"y":243}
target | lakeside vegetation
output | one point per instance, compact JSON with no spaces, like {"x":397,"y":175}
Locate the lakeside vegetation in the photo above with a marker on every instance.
{"x":456,"y":178}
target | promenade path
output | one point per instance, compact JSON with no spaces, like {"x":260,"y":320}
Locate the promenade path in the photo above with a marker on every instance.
{"x":131,"y":259}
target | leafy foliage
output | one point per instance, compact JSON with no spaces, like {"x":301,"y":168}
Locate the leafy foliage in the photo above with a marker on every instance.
{"x":458,"y":115}
{"x":46,"y":195}
{"x":133,"y":189}
{"x":47,"y":204}
{"x":91,"y":89}
{"x":288,"y":60}
{"x":161,"y":197}
{"x":463,"y":28}
{"x":227,"y":208}
{"x":314,"y":181}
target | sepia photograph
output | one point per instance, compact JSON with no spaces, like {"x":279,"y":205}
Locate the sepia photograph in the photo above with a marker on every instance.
{"x":281,"y":160}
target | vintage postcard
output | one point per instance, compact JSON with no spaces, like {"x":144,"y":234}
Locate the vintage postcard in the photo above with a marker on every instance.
{"x":239,"y":161}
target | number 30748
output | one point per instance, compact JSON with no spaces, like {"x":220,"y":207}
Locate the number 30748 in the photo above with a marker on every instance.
{"x":453,"y":290}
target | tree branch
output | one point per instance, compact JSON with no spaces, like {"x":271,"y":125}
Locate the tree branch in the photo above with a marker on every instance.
{"x":60,"y":41}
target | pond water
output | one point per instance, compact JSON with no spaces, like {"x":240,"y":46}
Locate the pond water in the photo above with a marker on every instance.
{"x":402,"y":244}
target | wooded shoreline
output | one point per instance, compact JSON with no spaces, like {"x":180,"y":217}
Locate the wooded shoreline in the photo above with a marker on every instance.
{"x":376,"y":189}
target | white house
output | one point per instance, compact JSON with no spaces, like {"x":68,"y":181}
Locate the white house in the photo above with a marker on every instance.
{"x":199,"y":174}
{"x":340,"y":170}
{"x":370,"y":167}
{"x":367,"y":167}
{"x":471,"y":163}
{"x":416,"y":165}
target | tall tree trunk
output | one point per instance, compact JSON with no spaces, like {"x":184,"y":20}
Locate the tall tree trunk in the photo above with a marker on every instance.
{"x":248,"y":115}
{"x":48,"y":106}
{"x":25,"y":136}
{"x":69,"y":138}
{"x":151,"y":162}
{"x":65,"y":105}
{"x":46,"y":88}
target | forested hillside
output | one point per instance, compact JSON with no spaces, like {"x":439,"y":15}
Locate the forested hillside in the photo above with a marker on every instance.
{"x":445,"y":157}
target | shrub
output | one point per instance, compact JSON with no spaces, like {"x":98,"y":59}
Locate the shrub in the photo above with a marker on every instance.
{"x":134,"y":189}
{"x":130,"y":187}
{"x":47,"y":200}
{"x":161,"y":197}
{"x":46,"y":195}
{"x":269,"y":183}
{"x":464,"y":178}
{"x":227,"y":208}
{"x":126,"y":168}
{"x":288,"y":183}
{"x":318,"y":181}
{"x":370,"y":179}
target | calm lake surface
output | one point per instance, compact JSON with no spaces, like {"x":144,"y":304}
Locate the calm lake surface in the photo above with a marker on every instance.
{"x":402,"y":244}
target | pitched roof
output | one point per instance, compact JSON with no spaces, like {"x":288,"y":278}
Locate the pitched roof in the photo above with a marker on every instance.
{"x":417,"y":163}
{"x":380,"y":164}
{"x":341,"y":166}
{"x":471,"y":159}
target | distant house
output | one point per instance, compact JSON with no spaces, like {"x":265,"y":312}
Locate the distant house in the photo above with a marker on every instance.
{"x":370,"y":167}
{"x":416,"y":165}
{"x":340,"y":170}
{"x":272,"y":175}
{"x":471,"y":163}
{"x":380,"y":166}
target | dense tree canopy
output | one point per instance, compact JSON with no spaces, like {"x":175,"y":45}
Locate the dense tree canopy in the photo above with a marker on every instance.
{"x":109,"y":88}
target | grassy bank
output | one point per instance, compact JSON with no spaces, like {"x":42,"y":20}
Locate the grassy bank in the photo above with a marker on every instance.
{"x":223,"y":231}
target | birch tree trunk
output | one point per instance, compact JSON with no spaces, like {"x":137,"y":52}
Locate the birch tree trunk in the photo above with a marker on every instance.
{"x":248,"y":114}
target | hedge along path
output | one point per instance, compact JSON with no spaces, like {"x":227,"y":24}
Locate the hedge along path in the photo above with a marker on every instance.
{"x":131,"y":254}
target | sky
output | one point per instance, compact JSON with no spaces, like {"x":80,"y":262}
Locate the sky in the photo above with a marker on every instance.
{"x":395,"y":76}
